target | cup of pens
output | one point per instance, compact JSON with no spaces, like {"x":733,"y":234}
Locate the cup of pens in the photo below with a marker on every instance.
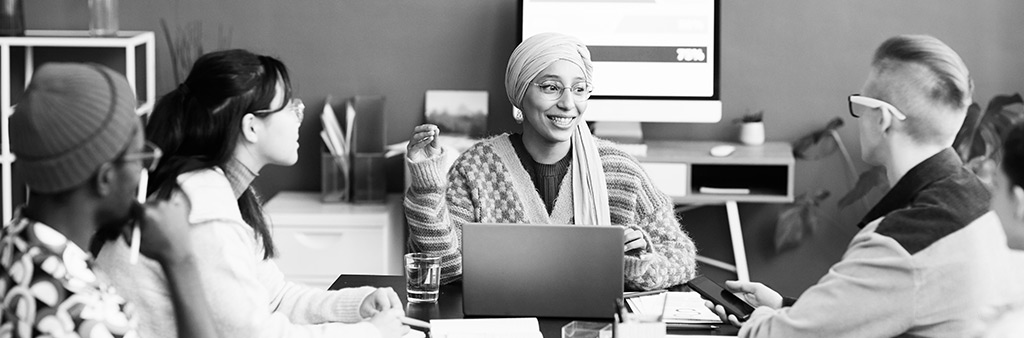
{"x":422,"y":277}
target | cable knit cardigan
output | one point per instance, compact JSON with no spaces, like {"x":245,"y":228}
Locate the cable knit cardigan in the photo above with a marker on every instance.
{"x":489,"y":184}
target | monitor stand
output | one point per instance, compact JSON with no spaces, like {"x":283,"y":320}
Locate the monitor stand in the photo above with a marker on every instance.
{"x":628,"y":136}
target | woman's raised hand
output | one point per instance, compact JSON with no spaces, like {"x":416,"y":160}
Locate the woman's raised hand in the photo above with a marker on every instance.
{"x":423,"y":143}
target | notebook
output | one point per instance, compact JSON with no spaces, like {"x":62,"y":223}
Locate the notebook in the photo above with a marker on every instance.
{"x":524,"y":270}
{"x":676,"y":307}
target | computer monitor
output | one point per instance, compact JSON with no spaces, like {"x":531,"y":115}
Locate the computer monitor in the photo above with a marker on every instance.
{"x":654,"y":60}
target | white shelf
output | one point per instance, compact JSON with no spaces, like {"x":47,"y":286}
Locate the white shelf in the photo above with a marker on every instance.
{"x":59,"y":38}
{"x":129,"y":41}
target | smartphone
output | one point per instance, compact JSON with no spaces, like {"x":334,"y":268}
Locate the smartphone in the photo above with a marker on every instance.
{"x":717,"y":294}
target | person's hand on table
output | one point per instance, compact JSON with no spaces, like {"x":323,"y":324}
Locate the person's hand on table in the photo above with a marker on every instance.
{"x":389,"y":325}
{"x":381,"y":300}
{"x":755,"y":294}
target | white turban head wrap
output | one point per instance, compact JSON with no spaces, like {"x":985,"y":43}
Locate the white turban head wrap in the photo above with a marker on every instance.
{"x":590,"y":194}
{"x":537,"y":53}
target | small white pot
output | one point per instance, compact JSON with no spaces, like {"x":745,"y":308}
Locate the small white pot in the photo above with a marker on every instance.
{"x":752,"y":133}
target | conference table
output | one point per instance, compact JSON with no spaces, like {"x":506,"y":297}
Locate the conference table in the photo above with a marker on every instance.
{"x":449,"y":306}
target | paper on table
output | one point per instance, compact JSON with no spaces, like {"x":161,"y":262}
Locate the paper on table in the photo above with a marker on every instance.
{"x":681,"y":307}
{"x":485,"y":327}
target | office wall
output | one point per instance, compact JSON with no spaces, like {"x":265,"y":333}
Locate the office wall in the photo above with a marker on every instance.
{"x":795,"y":59}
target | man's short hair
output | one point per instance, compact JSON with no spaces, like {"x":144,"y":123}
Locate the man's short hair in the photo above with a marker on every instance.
{"x":942,"y":84}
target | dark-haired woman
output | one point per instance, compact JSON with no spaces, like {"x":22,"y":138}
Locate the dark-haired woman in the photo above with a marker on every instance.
{"x":232,"y":116}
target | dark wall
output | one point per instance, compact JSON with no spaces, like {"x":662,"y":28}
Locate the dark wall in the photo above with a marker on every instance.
{"x":795,"y":59}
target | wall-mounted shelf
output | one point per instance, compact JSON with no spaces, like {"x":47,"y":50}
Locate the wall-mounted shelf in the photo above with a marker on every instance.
{"x":37,"y":40}
{"x":681,"y":168}
{"x":760,"y":174}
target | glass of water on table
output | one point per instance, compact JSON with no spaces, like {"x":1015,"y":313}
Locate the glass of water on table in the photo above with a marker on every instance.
{"x":422,"y":277}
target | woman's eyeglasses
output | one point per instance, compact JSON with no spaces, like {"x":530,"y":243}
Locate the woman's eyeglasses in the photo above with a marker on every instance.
{"x":295,"y":105}
{"x":149,"y":155}
{"x":873,"y":103}
{"x":554,"y":90}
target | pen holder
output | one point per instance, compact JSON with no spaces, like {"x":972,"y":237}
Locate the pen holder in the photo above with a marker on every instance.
{"x":638,"y":328}
{"x":334,"y":182}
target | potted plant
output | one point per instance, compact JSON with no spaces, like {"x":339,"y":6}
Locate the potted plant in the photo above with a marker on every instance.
{"x":752,"y":128}
{"x":187,"y":46}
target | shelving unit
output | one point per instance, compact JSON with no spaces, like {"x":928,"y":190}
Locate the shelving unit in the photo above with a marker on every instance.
{"x":763,"y":173}
{"x":130,"y":41}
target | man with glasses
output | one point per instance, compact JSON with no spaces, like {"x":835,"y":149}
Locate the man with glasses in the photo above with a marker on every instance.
{"x":927,"y":259}
{"x":80,"y":148}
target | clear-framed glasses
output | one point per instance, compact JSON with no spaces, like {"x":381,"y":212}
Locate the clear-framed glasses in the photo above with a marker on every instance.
{"x":295,"y":106}
{"x":149,"y":155}
{"x":873,"y":103}
{"x":554,"y":90}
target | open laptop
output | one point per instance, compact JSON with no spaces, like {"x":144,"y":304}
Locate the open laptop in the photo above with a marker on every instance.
{"x":541,"y":270}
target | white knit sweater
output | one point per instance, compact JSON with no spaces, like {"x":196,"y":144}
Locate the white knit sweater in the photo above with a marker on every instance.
{"x":247,"y":295}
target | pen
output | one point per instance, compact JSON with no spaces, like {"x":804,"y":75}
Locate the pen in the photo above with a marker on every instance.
{"x":414,"y":322}
{"x":664,"y":304}
{"x":641,"y":294}
{"x":620,"y":309}
{"x":133,"y":255}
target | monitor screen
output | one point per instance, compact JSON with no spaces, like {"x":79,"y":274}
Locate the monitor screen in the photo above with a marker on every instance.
{"x":654,"y":60}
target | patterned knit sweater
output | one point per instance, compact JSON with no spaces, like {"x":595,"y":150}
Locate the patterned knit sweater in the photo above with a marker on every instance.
{"x":488,"y":184}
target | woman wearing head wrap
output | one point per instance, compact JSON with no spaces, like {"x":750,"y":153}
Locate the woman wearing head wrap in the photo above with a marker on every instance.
{"x":555,"y":172}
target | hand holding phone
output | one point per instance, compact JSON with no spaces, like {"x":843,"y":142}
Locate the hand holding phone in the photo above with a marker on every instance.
{"x":717,"y":294}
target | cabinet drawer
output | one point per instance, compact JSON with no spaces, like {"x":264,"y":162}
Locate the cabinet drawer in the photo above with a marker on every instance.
{"x":315,"y":251}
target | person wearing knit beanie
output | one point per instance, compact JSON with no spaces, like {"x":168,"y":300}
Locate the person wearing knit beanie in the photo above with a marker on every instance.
{"x":72,"y":119}
{"x":79,"y":145}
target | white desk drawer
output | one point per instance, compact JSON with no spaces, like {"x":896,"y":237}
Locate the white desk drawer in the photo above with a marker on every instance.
{"x":317,"y":251}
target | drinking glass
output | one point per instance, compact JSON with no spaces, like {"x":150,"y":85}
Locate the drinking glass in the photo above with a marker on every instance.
{"x":422,"y":277}
{"x":103,"y":17}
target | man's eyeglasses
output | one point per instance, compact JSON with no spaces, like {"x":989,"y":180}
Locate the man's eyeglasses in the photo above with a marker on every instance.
{"x":149,"y":155}
{"x":553,"y":90}
{"x":295,"y":105}
{"x":873,"y":104}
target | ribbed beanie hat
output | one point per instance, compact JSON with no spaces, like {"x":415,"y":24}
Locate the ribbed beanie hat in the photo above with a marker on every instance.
{"x":71,"y":119}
